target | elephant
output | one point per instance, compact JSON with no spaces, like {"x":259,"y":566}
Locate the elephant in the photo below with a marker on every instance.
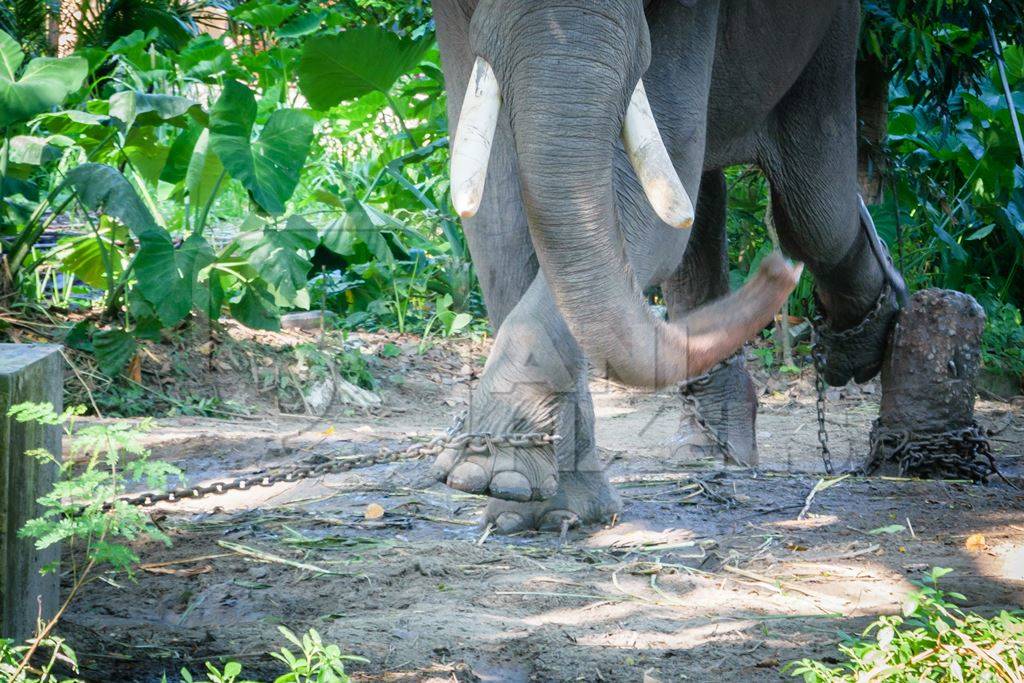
{"x":582,"y":130}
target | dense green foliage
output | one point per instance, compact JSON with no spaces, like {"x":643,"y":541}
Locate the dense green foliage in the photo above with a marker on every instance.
{"x":246,"y":172}
{"x":161,"y":175}
{"x":933,"y":640}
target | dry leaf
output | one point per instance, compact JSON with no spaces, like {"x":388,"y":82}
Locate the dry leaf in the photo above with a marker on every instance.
{"x":135,"y":369}
{"x":975,"y":543}
{"x":374,"y":511}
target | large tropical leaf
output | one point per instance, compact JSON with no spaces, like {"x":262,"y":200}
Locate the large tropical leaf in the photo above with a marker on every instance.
{"x":145,"y":109}
{"x":45,"y":83}
{"x":269,"y":167}
{"x":204,"y":169}
{"x":256,"y":308}
{"x":280,"y":258}
{"x":113,"y":348}
{"x":103,"y":189}
{"x":353,"y":63}
{"x":263,"y":13}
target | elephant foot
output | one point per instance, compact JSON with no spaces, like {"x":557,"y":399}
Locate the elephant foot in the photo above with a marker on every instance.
{"x":582,"y":498}
{"x":719,"y":416}
{"x":856,"y":351}
{"x":510,"y":472}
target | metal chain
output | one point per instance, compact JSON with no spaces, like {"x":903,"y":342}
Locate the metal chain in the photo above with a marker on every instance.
{"x":478,"y":442}
{"x":686,"y":391}
{"x":960,"y":453}
{"x":818,"y":357}
{"x":819,"y":327}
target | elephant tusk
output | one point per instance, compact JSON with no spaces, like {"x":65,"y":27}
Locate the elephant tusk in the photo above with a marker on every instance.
{"x":653,"y":167}
{"x":471,"y":149}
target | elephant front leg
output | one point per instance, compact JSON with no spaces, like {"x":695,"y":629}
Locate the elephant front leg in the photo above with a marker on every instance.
{"x":534,"y":381}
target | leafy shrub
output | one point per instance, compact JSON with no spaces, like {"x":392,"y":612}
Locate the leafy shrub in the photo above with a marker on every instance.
{"x":933,"y":640}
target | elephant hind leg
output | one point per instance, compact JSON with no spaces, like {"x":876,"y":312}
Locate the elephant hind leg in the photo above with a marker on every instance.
{"x":809,"y":153}
{"x":720,"y":409}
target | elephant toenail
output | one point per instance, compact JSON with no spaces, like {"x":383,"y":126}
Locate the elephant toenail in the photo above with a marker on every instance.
{"x":549,"y":488}
{"x":468,"y":477}
{"x":509,"y":522}
{"x":554,"y":519}
{"x":443,"y":465}
{"x":511,"y":486}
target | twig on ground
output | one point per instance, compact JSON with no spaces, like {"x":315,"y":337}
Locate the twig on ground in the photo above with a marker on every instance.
{"x":820,"y":486}
{"x":264,"y":556}
{"x":777,"y":585}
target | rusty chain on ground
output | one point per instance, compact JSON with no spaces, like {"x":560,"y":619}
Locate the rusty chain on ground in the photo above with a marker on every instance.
{"x":473,"y":442}
{"x":819,"y":359}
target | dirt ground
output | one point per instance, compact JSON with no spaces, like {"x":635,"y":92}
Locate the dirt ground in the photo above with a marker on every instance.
{"x":707,"y":574}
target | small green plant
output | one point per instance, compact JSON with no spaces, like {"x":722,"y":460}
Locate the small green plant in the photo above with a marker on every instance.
{"x":82,"y":512}
{"x":315,"y":662}
{"x":933,"y":640}
{"x":59,"y":654}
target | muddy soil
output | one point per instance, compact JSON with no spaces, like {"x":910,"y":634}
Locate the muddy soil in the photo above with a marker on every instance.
{"x":707,"y":573}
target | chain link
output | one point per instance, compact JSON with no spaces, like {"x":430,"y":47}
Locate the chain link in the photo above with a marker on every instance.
{"x":478,"y":442}
{"x":687,"y":392}
{"x":818,"y":357}
{"x":961,"y":453}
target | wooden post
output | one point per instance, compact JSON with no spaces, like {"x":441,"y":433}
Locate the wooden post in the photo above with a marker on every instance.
{"x":28,"y":373}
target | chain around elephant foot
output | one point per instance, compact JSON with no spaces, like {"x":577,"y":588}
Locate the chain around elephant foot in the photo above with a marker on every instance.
{"x":856,"y":352}
{"x":583,"y":498}
{"x":720,"y":410}
{"x":509,"y":468}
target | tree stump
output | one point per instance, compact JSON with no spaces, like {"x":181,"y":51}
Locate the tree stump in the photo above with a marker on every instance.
{"x":28,"y":373}
{"x":926,"y":425}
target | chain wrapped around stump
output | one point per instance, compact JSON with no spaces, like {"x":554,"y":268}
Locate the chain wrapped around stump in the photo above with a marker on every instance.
{"x":926,"y":426}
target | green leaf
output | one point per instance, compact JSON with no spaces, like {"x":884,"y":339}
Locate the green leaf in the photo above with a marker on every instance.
{"x":981,"y":232}
{"x":890,"y":529}
{"x":256,"y":308}
{"x":279,"y":256}
{"x":204,"y":168}
{"x":357,"y":226}
{"x":270,"y":167}
{"x":147,"y":154}
{"x":103,"y":189}
{"x":205,"y":295}
{"x":353,"y":63}
{"x":179,"y":157}
{"x":263,"y":14}
{"x":114,"y":349}
{"x":302,"y":26}
{"x":82,"y":256}
{"x":33,"y":151}
{"x":45,"y":83}
{"x":144,"y":109}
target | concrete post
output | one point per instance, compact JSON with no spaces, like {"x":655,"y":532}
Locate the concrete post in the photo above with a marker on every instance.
{"x":28,"y":373}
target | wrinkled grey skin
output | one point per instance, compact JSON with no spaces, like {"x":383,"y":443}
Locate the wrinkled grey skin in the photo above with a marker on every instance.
{"x":769,"y":82}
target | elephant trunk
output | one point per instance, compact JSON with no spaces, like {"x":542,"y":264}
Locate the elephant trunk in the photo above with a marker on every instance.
{"x":565,"y":136}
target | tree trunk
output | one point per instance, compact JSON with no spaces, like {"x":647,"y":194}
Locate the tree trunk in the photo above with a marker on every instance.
{"x":926,"y":427}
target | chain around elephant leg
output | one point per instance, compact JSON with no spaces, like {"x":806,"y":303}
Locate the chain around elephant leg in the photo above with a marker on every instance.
{"x":719,"y":415}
